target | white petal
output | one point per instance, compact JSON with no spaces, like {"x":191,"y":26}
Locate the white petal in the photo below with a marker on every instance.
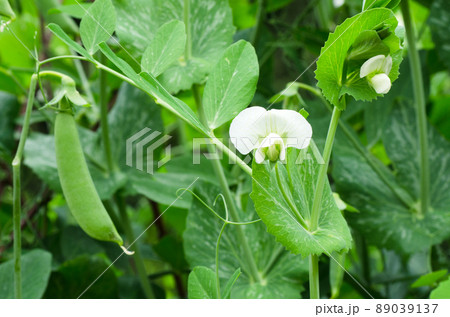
{"x":291,"y":126}
{"x":381,"y":83}
{"x":245,"y":132}
{"x":373,"y":64}
{"x":259,"y":155}
{"x":387,"y":65}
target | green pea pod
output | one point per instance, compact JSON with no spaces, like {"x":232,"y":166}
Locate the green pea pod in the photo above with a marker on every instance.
{"x":77,"y":184}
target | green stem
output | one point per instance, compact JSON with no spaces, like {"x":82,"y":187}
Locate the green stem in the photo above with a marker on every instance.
{"x":317,"y":202}
{"x":17,"y":210}
{"x":419,"y":95}
{"x":218,"y":170}
{"x":259,"y":21}
{"x":104,"y":117}
{"x":217,"y":260}
{"x":84,"y":81}
{"x":186,"y":11}
{"x":138,"y":260}
{"x":314,"y":290}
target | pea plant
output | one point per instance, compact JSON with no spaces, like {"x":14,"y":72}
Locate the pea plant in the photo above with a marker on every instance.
{"x":159,"y":155}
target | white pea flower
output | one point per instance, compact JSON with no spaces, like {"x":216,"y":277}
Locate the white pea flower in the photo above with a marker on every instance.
{"x":269,"y":132}
{"x":377,"y":70}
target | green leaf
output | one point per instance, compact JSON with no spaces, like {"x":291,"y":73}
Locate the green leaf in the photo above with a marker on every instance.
{"x":334,"y":76}
{"x":6,"y":11}
{"x":202,"y":283}
{"x":151,"y":86}
{"x":430,"y":279}
{"x":56,"y":29}
{"x":97,"y":25}
{"x":282,"y":273}
{"x":72,"y":278}
{"x":385,"y":219}
{"x":166,"y":47}
{"x":442,"y":291}
{"x":228,"y":287}
{"x":36,"y":268}
{"x":208,"y":22}
{"x":367,"y":45}
{"x":440,"y":28}
{"x":299,"y":178}
{"x":231,"y":84}
{"x":370,"y":4}
{"x":74,"y":10}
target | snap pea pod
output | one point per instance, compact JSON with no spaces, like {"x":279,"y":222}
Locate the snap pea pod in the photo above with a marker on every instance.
{"x":77,"y":184}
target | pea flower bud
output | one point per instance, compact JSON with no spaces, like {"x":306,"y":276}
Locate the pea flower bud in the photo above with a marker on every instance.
{"x":376,"y":69}
{"x":269,"y":132}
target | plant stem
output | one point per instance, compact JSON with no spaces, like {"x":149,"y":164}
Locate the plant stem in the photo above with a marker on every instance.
{"x":314,"y":290}
{"x":419,"y":95}
{"x":104,"y":117}
{"x":259,"y":20}
{"x":138,"y":260}
{"x":317,"y":202}
{"x":17,"y":210}
{"x":186,"y":15}
{"x":217,"y":260}
{"x":218,"y":170}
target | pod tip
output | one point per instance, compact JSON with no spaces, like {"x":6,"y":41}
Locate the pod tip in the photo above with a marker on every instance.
{"x":126,"y":251}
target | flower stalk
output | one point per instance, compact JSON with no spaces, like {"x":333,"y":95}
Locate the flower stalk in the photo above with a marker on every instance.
{"x":419,"y":95}
{"x":317,"y":202}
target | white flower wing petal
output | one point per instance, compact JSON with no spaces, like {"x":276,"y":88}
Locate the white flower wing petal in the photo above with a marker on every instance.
{"x":291,"y":126}
{"x":387,"y":65}
{"x":247,"y":128}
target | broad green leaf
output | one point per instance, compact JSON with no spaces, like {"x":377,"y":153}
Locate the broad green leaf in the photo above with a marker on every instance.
{"x":370,"y":4}
{"x":282,"y":273}
{"x":166,"y":47}
{"x":231,"y":84}
{"x":430,"y":279}
{"x":202,"y":283}
{"x":97,"y":25}
{"x":229,"y":286}
{"x":442,"y":291}
{"x":298,"y":178}
{"x":335,"y":75}
{"x":74,"y":276}
{"x":384,"y":218}
{"x":6,"y":11}
{"x":440,"y":28}
{"x":56,"y":30}
{"x":9,"y":110}
{"x":36,"y":268}
{"x":209,"y":24}
{"x":74,"y":10}
{"x":151,"y":86}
